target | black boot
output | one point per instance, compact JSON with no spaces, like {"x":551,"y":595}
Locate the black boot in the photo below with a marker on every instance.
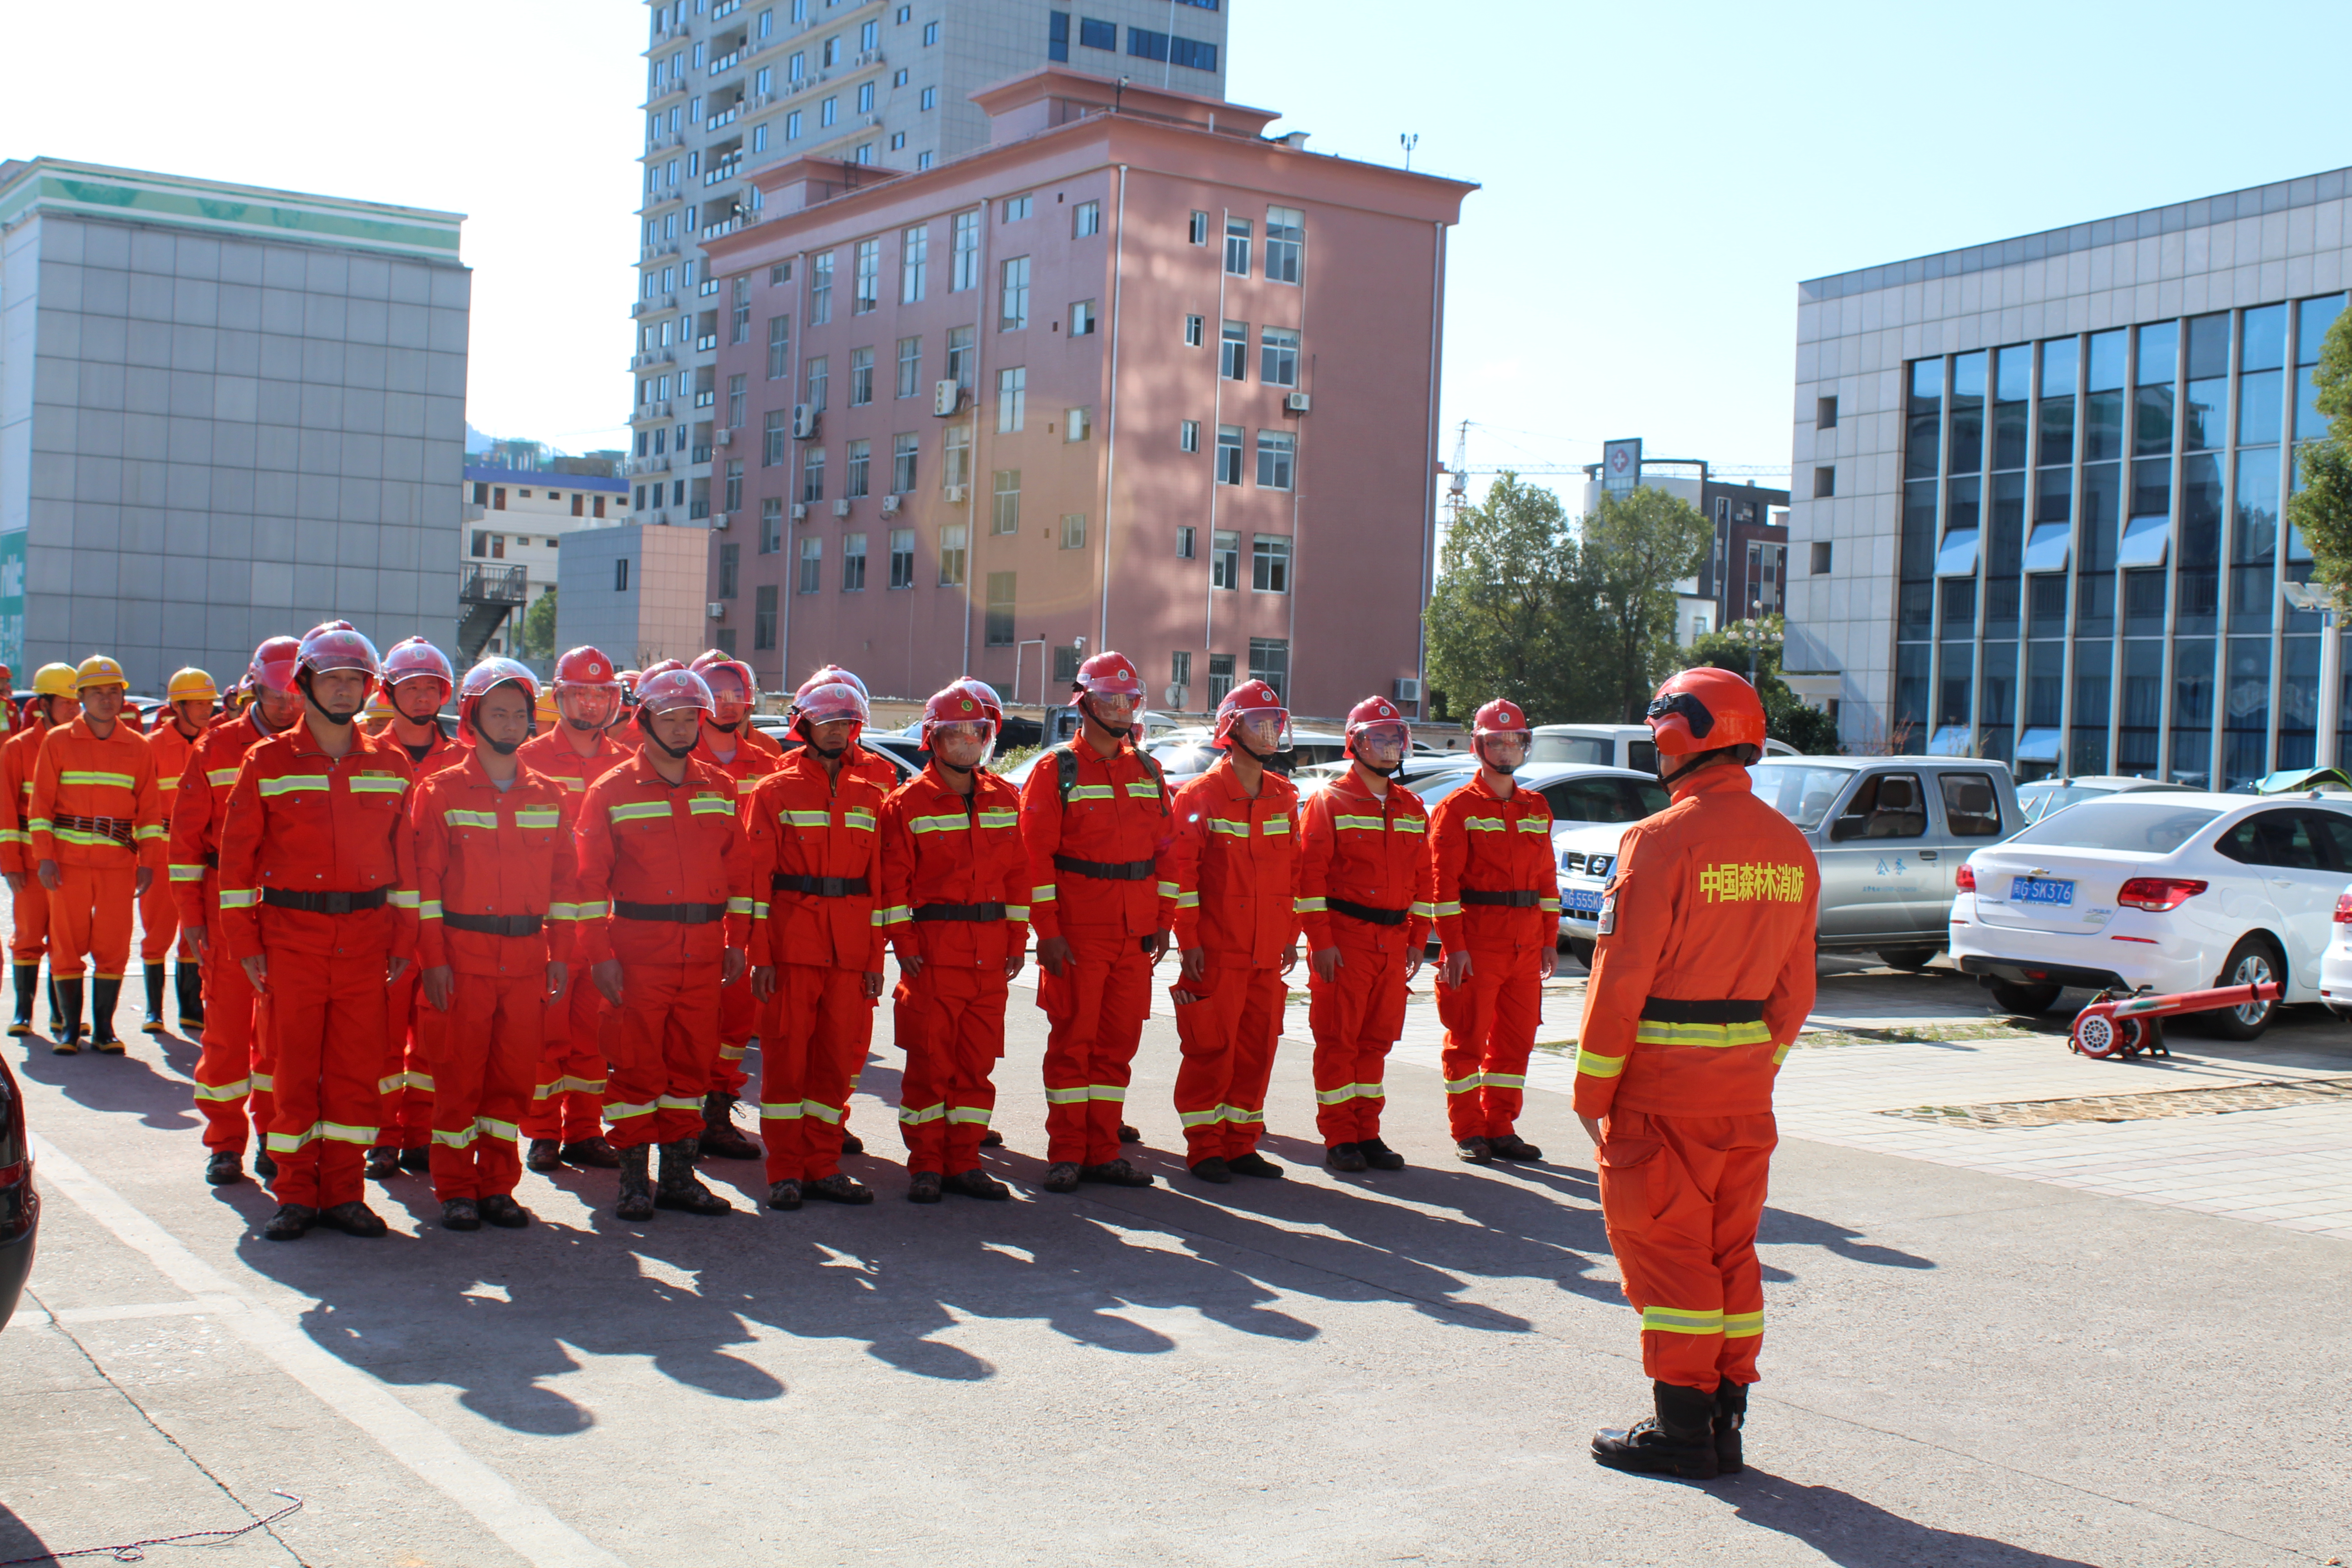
{"x":1679,"y":1440}
{"x":679,"y":1189}
{"x":28,"y":981}
{"x":154,"y":1024}
{"x":189,"y":982}
{"x":636,"y":1187}
{"x":1730,"y":1415}
{"x":721,"y":1139}
{"x":104,"y":995}
{"x":64,"y":1016}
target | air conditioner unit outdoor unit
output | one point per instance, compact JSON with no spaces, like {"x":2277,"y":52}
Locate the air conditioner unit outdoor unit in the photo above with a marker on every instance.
{"x":800,"y":512}
{"x":956,"y":493}
{"x":727,"y":437}
{"x":841,"y":507}
{"x":890,"y":506}
{"x":718,"y":519}
{"x":804,"y":421}
{"x":1174,"y":697}
{"x":1408,"y":688}
{"x":715,"y":610}
{"x":1297,"y":403}
{"x":945,"y":396}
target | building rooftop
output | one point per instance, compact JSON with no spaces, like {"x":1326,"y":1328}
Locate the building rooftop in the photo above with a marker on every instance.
{"x":553,"y":479}
{"x":2252,"y":201}
{"x":137,"y":196}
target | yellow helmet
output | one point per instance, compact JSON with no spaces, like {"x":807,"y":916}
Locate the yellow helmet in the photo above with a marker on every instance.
{"x":99,"y":670}
{"x":378,"y":708}
{"x":545,"y":708}
{"x":191,"y":685}
{"x":54,"y":680}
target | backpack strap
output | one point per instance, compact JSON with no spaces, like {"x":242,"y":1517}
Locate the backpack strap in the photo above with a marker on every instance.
{"x":1065,"y":764}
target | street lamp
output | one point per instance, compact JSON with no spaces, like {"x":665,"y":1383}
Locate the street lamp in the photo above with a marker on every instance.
{"x":1755,"y":636}
{"x":2316,"y":596}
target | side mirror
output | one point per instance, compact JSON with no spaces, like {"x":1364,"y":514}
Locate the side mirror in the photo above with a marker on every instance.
{"x":1846,"y":827}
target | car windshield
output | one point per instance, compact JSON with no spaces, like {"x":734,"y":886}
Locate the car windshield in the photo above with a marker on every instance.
{"x":1588,"y":751}
{"x":1442,"y":785}
{"x":2125,"y":823}
{"x":1608,"y":798}
{"x":1802,"y":794}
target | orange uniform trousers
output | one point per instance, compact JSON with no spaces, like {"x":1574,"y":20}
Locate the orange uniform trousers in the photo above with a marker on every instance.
{"x":738,"y":1022}
{"x":233,"y":1077}
{"x":28,"y":937}
{"x":567,"y":1099}
{"x":412,"y":1038}
{"x":484,"y":1054}
{"x":324,"y":1017}
{"x":1490,"y":1028}
{"x":1094,"y":1020}
{"x":1227,"y":1038}
{"x":811,"y":1045}
{"x":159,"y":924}
{"x":951,"y":1026}
{"x":90,"y":917}
{"x":660,"y":1045}
{"x":1682,"y":1197}
{"x":1355,"y":1019}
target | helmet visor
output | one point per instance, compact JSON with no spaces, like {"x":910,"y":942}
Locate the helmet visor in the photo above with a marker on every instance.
{"x":1387,"y":735}
{"x":1688,"y":707}
{"x":1262,"y":730}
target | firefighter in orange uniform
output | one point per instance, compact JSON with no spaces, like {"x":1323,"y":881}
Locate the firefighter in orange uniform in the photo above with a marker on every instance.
{"x":496,"y":917}
{"x":1236,"y":866}
{"x":666,"y":907}
{"x":955,"y":886}
{"x":1098,"y":826}
{"x":732,"y":745}
{"x":52,"y":704}
{"x":179,"y":724}
{"x":9,"y":722}
{"x":1365,"y":898}
{"x":232,"y":1074}
{"x":1498,"y":917}
{"x":318,"y":905}
{"x":816,"y":946}
{"x":1702,"y":975}
{"x":565,"y":1119}
{"x":96,"y":828}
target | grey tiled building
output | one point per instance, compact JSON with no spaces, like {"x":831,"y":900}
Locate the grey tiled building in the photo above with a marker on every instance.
{"x":2038,"y":508}
{"x":225,"y":412}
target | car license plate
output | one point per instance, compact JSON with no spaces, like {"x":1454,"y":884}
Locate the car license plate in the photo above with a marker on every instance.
{"x":2039,"y":890}
{"x":1583,"y":901}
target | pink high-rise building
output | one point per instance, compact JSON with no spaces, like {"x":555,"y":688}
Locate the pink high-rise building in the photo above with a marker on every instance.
{"x":1131,"y":376}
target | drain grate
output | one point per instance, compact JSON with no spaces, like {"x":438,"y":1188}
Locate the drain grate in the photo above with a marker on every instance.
{"x":2268,"y":1096}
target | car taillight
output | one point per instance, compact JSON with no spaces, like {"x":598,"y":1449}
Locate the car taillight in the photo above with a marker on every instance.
{"x":2344,"y":909}
{"x":2157,"y":893}
{"x":1965,"y":879}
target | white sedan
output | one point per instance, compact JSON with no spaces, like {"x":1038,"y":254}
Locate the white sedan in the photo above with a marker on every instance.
{"x":2171,"y":891}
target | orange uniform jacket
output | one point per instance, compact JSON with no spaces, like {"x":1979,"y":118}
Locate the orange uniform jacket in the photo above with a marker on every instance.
{"x":300,"y":822}
{"x":1713,"y":900}
{"x":862,"y":761}
{"x":1117,"y":815}
{"x":440,"y":751}
{"x":1481,"y":843}
{"x":1234,"y":862}
{"x":483,"y":852}
{"x":17,"y":755}
{"x":644,"y":842}
{"x":81,"y":782}
{"x":799,"y":825}
{"x":752,"y":761}
{"x":551,"y":754}
{"x":172,"y":750}
{"x":941,"y":848}
{"x":201,"y":802}
{"x":1374,"y":852}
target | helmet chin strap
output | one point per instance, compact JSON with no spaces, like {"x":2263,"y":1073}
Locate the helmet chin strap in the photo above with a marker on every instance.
{"x":1115,"y":731}
{"x":675,"y":753}
{"x":503,"y":748}
{"x":329,"y":715}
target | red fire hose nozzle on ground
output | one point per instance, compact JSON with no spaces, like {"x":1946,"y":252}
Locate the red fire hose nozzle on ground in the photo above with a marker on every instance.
{"x":2124,"y":1026}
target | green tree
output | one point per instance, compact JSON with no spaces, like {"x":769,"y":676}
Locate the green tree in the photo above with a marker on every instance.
{"x":1636,"y":548}
{"x":1786,"y":716}
{"x":2323,"y":509}
{"x":536,"y":638}
{"x":1502,"y":617}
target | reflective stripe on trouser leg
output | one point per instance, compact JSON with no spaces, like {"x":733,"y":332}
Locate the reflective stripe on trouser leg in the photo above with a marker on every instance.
{"x":1095,"y":1010}
{"x":1518,"y":1009}
{"x":808,"y":1035}
{"x":660,"y":1043}
{"x":1228,"y":1041}
{"x":1467,"y":1011}
{"x":325,"y":1020}
{"x":484,"y":1058}
{"x":1354,"y":1019}
{"x":226,"y":1069}
{"x":90,"y":919}
{"x":567,"y":1093}
{"x":954,"y":1015}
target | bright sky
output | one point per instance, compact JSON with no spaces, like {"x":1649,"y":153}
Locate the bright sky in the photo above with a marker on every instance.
{"x":1658,"y":178}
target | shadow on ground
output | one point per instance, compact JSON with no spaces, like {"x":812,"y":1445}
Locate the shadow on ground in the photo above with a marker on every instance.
{"x":1847,"y":1530}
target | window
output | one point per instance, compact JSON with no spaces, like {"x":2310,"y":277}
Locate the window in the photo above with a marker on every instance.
{"x":930,"y":36}
{"x":759,"y":136}
{"x":781,"y":272}
{"x":796,"y":69}
{"x":1276,"y":449}
{"x":929,"y":97}
{"x":763,"y":617}
{"x":952,"y":547}
{"x":734,"y":403}
{"x":870,"y":38}
{"x":964,"y":249}
{"x":1073,"y":530}
{"x":1221,"y":677}
{"x":1000,"y":610}
{"x":812,"y":474}
{"x":1887,"y":806}
{"x":820,"y":378}
{"x":1192,"y":54}
{"x":1286,"y":237}
{"x":1011,"y":399}
{"x":779,"y":347}
{"x":1277,"y":356}
{"x":1179,"y":670}
{"x":767,"y":24}
{"x":902,"y":558}
{"x":1824,"y":482}
{"x":1188,"y":434}
{"x":861,"y":377}
{"x":1086,"y":218}
{"x":1825,"y":414}
{"x":1270,"y":662}
{"x":1077,"y":423}
{"x":499,"y":499}
{"x":621,"y":575}
{"x":1094,"y":35}
{"x":955,"y":458}
{"x":820,"y":304}
{"x":792,"y":120}
{"x":1229,"y":454}
{"x":1066,"y":663}
{"x":868,"y":291}
{"x":902,"y":463}
{"x":866,"y":98}
{"x":1185,"y":541}
{"x":1971,"y":806}
{"x":777,"y":431}
{"x":739,"y":312}
{"x":1233,"y":355}
{"x":829,"y":55}
{"x":1004,"y":507}
{"x":1237,"y":246}
{"x":734,"y":502}
{"x":811,"y":563}
{"x":960,"y":358}
{"x":1270,"y":563}
{"x":1058,"y":35}
{"x":1015,"y":208}
{"x":911,"y":366}
{"x":481,"y":539}
{"x":731,"y":569}
{"x":861,"y":461}
{"x":1013,"y":304}
{"x":640,"y":504}
{"x":772,"y":525}
{"x":1197,"y":230}
{"x":1082,"y":318}
{"x":1192,"y":328}
{"x":914,"y":263}
{"x":1224,"y":560}
{"x":853,"y":564}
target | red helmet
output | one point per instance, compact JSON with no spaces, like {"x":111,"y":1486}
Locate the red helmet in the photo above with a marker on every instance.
{"x":338,"y":646}
{"x":959,"y":704}
{"x":1108,"y":674}
{"x":1703,"y":709}
{"x":663,"y":690}
{"x":1500,"y":717}
{"x":829,"y":702}
{"x":586,"y":666}
{"x":1245,"y":702}
{"x":1377,"y":712}
{"x":831,"y":675}
{"x":328,"y":626}
{"x":273,"y":665}
{"x":414,"y":657}
{"x":629,"y":680}
{"x":660,"y":666}
{"x":485,"y":677}
{"x":982,"y":693}
{"x":715,"y":659}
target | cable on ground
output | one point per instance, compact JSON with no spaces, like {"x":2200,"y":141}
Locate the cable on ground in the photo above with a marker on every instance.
{"x":133,"y":1552}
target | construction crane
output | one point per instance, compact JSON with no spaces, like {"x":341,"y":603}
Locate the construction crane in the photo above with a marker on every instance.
{"x":1459,"y":467}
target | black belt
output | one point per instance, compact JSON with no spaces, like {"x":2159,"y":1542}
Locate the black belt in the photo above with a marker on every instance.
{"x":1666,"y":1010}
{"x":117,"y":829}
{"x":328,"y":904}
{"x":974,"y":913}
{"x":1367,"y":913}
{"x":822,"y":887}
{"x":494,"y":925}
{"x":677,"y":914}
{"x":1109,"y":870}
{"x":1519,"y":898}
{"x":213,"y":860}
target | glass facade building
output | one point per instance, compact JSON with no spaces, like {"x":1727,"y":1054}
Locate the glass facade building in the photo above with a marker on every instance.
{"x":2062,"y":543}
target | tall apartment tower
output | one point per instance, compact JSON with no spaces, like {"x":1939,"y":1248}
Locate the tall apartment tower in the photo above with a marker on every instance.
{"x":734,"y":86}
